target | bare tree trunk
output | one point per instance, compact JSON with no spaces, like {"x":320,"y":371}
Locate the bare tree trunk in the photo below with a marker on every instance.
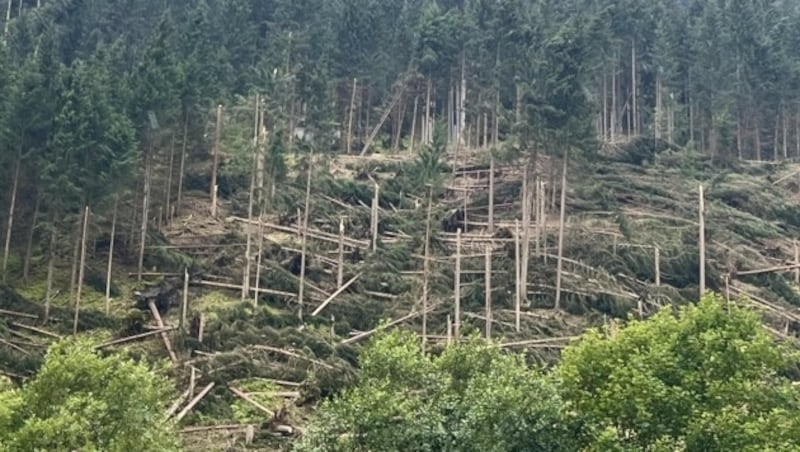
{"x":50,"y":264}
{"x":561,"y":230}
{"x":739,"y":135}
{"x":605,"y":107}
{"x":784,"y":128}
{"x":374,"y":218}
{"x":457,"y":284}
{"x":185,"y":301}
{"x":145,"y":211}
{"x":305,"y":236}
{"x":491,"y":196}
{"x":775,"y":137}
{"x":428,"y":124}
{"x":462,"y":112}
{"x":254,"y":170}
{"x":168,"y":200}
{"x":76,"y":249}
{"x":11,"y":207}
{"x":691,"y":122}
{"x":350,"y":117}
{"x":183,"y":162}
{"x":757,"y":126}
{"x":488,"y":294}
{"x":614,"y":101}
{"x":496,"y":113}
{"x":259,"y":257}
{"x":702,"y":216}
{"x":426,"y":267}
{"x":401,"y":113}
{"x":26,"y":263}
{"x":111,"y":255}
{"x":340,"y":266}
{"x":659,"y":108}
{"x":413,"y":125}
{"x":8,"y":19}
{"x":215,"y":164}
{"x":634,"y":83}
{"x":526,"y":222}
{"x":81,"y":269}
{"x":657,"y":257}
{"x":517,"y":294}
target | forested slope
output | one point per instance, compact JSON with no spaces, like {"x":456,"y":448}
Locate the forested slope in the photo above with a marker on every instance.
{"x":310,"y":169}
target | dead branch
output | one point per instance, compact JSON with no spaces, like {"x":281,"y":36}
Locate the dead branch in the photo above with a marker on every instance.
{"x":249,"y":400}
{"x":194,"y":401}
{"x":335,"y":294}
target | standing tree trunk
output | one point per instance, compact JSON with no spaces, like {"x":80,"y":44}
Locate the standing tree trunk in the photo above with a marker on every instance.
{"x":145,"y":211}
{"x":488,"y":294}
{"x":457,"y":284}
{"x":215,"y":164}
{"x":305,"y":236}
{"x":26,"y":263}
{"x":526,"y":221}
{"x":111,"y":256}
{"x":50,"y":264}
{"x":491,"y":196}
{"x":614,"y":101}
{"x":462,"y":112}
{"x":561,"y":230}
{"x":757,"y":126}
{"x":634,"y":82}
{"x":518,"y":291}
{"x":426,"y":267}
{"x":413,"y":125}
{"x":168,"y":196}
{"x":253,"y":171}
{"x":374,"y":217}
{"x":605,"y":107}
{"x":81,"y":269}
{"x":8,"y":19}
{"x":350,"y":117}
{"x":259,"y":257}
{"x":340,"y":266}
{"x":10,"y":225}
{"x":428,"y":135}
{"x":659,"y":108}
{"x":76,"y":249}
{"x":702,"y":217}
{"x":183,"y":162}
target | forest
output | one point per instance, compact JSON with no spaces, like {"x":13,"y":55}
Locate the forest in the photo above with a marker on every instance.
{"x":278,"y":215}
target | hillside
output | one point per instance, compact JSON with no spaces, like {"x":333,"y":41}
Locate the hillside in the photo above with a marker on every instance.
{"x":620,"y":206}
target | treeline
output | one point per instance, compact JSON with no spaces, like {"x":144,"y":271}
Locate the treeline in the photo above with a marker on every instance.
{"x":95,"y":92}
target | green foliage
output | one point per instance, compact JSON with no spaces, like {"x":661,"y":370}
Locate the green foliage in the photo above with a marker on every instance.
{"x":709,"y":377}
{"x":469,"y":398}
{"x":81,"y":400}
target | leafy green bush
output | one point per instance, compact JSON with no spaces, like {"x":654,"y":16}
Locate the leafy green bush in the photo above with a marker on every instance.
{"x":81,"y":400}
